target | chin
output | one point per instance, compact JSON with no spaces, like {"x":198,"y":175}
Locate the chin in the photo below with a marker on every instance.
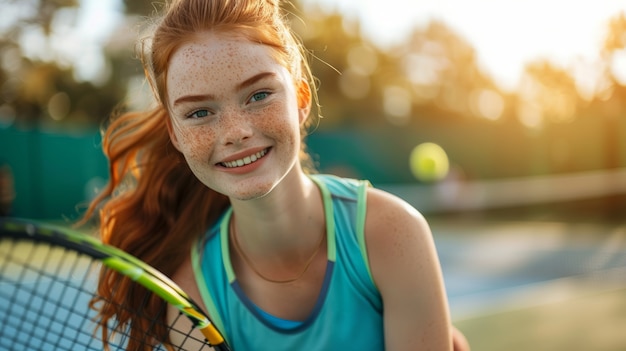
{"x":251,"y":190}
{"x":251,"y":195}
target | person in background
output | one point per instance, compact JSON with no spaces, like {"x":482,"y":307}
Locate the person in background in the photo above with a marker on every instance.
{"x":7,"y":189}
{"x":213,"y":186}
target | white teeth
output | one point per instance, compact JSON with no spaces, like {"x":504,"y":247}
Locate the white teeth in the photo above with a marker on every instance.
{"x":246,"y":160}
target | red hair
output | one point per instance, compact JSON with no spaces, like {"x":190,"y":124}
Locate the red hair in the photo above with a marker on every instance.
{"x":153,"y":206}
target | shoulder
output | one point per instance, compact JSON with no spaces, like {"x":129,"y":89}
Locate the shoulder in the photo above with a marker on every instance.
{"x":405,"y":269}
{"x":397,"y":237}
{"x":389,"y":215}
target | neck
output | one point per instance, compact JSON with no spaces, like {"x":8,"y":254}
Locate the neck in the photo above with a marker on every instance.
{"x":288,"y":220}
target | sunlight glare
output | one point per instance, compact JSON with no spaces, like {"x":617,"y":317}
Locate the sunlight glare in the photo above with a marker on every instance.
{"x":618,"y":66}
{"x":511,"y":35}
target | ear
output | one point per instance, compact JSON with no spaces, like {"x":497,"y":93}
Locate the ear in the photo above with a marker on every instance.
{"x":303,"y":94}
{"x":170,"y":131}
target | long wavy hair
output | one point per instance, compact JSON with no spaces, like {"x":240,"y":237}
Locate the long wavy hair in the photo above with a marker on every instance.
{"x":153,"y":206}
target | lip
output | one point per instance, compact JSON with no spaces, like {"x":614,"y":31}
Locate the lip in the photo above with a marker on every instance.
{"x":243,"y":154}
{"x":256,"y":155}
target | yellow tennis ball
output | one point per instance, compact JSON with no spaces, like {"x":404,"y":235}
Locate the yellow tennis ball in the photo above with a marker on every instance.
{"x":429,"y":162}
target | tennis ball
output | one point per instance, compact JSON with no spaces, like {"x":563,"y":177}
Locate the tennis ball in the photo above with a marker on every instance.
{"x":429,"y":162}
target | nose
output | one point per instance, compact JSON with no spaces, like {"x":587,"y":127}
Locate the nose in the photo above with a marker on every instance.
{"x":235,"y":127}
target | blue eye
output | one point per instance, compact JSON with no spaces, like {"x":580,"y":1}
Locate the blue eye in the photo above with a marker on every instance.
{"x":198,"y":114}
{"x":259,"y":96}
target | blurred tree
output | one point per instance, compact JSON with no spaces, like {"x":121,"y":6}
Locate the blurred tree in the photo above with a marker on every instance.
{"x":616,"y":34}
{"x":44,"y":90}
{"x":434,"y":74}
{"x":47,"y":93}
{"x":443,"y":77}
{"x":343,"y":63}
{"x":613,"y":103}
{"x":20,"y":14}
{"x":546,"y":94}
{"x":614,"y":56}
{"x":141,"y":7}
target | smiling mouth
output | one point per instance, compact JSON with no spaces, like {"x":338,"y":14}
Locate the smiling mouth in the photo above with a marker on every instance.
{"x":245,"y":161}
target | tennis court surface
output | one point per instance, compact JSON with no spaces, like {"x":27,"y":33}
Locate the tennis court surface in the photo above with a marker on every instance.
{"x":535,"y":285}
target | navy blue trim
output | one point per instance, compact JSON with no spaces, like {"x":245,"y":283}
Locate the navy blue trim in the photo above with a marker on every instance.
{"x":278,"y":322}
{"x":307,"y":322}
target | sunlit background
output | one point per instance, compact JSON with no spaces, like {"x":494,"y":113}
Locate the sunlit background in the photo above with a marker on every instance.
{"x":504,"y":122}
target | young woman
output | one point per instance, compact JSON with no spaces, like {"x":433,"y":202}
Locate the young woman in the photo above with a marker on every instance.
{"x":212,"y":188}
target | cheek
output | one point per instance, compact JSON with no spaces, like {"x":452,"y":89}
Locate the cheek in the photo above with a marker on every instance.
{"x":194,"y":143}
{"x":283,"y":122}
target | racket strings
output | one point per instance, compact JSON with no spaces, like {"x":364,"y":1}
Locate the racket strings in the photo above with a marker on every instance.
{"x":48,"y":301}
{"x":154,"y":326}
{"x":140,"y":330}
{"x":39,"y":292}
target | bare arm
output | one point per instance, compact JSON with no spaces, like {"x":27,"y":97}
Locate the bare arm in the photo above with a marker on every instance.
{"x":406,"y":269}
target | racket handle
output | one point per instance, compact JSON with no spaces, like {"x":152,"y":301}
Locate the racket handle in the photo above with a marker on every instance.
{"x":211,"y":334}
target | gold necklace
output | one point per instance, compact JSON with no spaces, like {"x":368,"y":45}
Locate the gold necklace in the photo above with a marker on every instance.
{"x":251,"y":265}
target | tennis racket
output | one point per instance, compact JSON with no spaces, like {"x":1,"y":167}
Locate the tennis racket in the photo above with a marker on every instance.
{"x":48,"y":280}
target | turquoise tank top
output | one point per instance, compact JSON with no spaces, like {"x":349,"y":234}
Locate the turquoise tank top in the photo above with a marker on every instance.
{"x":348,"y":312}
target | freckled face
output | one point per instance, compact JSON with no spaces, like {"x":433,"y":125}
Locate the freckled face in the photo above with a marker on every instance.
{"x":234,"y":114}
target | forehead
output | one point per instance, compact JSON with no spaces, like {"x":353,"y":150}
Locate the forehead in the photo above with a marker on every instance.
{"x":217,"y":58}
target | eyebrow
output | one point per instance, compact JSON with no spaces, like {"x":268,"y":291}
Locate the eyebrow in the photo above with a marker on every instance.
{"x":193,"y":98}
{"x":246,"y":83}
